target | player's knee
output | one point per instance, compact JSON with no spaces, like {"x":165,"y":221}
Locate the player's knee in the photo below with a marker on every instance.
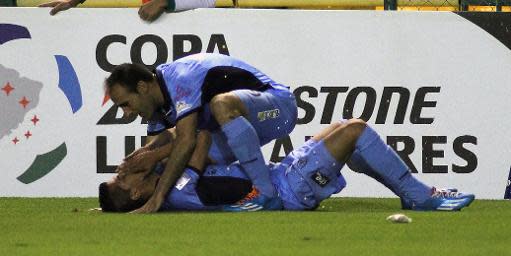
{"x":355,"y":127}
{"x":225,"y":107}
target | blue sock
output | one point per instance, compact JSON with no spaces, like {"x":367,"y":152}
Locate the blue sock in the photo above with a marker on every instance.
{"x":244,"y":143}
{"x":376,"y":159}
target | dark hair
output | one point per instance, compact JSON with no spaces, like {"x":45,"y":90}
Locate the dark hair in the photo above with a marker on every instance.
{"x":115,"y":199}
{"x":128,"y":75}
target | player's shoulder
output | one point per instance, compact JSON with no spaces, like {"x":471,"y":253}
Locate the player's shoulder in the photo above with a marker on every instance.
{"x":203,"y":57}
{"x":199,"y":64}
{"x":211,"y":60}
{"x":179,"y":69}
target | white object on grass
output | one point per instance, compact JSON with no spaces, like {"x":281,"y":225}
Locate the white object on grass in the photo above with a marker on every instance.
{"x":399,"y":218}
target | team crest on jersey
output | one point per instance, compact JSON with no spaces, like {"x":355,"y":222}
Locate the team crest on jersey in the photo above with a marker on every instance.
{"x":319,"y":178}
{"x":182,"y":106}
{"x":268,"y":114}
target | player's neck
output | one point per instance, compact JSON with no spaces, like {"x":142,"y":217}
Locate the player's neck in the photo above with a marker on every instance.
{"x":157,"y":95}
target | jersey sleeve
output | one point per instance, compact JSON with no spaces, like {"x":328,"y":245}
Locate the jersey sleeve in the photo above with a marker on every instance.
{"x":155,"y":127}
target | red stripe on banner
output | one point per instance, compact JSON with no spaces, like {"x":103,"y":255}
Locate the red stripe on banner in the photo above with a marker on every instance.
{"x":105,"y":99}
{"x":145,"y":1}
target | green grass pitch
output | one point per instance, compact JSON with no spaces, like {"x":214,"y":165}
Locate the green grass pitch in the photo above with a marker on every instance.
{"x":340,"y":226}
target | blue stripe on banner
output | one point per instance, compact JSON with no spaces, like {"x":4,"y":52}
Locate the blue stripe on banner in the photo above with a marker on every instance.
{"x":68,"y":82}
{"x":9,"y":32}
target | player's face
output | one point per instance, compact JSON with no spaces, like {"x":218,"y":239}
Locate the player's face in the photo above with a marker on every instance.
{"x":132,"y":103}
{"x":128,"y":101}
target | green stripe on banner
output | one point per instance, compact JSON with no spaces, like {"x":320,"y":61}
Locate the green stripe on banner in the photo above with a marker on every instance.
{"x":8,"y":3}
{"x":171,"y":5}
{"x":43,"y":164}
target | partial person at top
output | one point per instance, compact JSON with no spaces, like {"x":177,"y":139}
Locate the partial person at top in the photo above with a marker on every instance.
{"x":149,"y":11}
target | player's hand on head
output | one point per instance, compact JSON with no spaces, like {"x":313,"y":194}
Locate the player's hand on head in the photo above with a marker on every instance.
{"x":150,"y":11}
{"x":144,"y":161}
{"x":151,"y":206}
{"x":60,"y":5}
{"x":123,"y":170}
{"x":136,"y":152}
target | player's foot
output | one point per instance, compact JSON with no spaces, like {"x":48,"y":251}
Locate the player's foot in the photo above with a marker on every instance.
{"x":407,"y":205}
{"x":255,"y":201}
{"x":445,"y":200}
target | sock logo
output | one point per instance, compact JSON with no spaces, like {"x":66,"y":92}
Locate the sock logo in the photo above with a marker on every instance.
{"x":320,"y":179}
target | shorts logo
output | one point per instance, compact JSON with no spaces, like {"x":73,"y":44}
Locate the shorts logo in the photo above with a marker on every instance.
{"x":319,"y":178}
{"x":211,"y":171}
{"x":268,"y":114}
{"x":182,"y":106}
{"x":301,"y":163}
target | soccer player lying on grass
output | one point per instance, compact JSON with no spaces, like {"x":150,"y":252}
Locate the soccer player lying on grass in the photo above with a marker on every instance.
{"x":305,"y":177}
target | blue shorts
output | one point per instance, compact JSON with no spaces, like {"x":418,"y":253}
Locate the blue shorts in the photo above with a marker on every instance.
{"x":307,"y":176}
{"x":272,"y":113}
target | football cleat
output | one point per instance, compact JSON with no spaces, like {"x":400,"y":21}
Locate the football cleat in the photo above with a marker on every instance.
{"x":255,"y":201}
{"x":405,"y":205}
{"x":445,"y":200}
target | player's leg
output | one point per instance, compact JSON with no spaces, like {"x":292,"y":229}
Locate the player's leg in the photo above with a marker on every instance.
{"x":243,"y":140}
{"x":309,"y":174}
{"x":375,"y":158}
{"x":272,"y":113}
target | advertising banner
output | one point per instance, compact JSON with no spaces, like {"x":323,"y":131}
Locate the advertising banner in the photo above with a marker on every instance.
{"x":435,"y":85}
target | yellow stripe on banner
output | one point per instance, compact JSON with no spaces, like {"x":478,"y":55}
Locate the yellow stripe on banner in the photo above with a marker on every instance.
{"x":432,"y":3}
{"x":224,"y":3}
{"x":310,"y":3}
{"x":88,"y":3}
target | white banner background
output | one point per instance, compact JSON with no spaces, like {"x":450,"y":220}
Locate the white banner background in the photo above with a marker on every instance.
{"x":297,"y":48}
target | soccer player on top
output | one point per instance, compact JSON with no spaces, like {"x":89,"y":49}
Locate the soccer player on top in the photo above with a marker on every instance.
{"x":240,"y":106}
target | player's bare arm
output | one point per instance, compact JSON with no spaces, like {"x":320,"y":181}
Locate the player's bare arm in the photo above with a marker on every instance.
{"x":151,"y":10}
{"x":61,"y":5}
{"x":145,"y":158}
{"x":161,"y":139}
{"x":186,"y":139}
{"x":200,"y":159}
